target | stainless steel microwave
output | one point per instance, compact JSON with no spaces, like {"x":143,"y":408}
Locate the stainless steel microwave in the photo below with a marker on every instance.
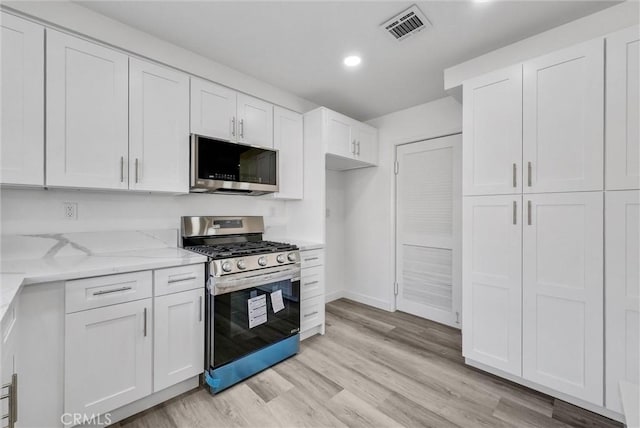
{"x":222,"y":167}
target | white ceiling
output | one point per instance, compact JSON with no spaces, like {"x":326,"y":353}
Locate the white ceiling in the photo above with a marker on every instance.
{"x":299,"y":46}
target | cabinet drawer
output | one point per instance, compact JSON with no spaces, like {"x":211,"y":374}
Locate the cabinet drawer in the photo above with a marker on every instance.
{"x":311,"y":282}
{"x":312,"y":258}
{"x":89,"y":293}
{"x":181,"y":278}
{"x":311,"y":312}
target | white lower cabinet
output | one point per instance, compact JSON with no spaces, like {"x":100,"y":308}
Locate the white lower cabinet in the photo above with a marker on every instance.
{"x":108,"y":355}
{"x":533,"y":289}
{"x":562,"y":277}
{"x":622,"y":293}
{"x":492,"y":291}
{"x":178,"y":347}
{"x":311,"y":292}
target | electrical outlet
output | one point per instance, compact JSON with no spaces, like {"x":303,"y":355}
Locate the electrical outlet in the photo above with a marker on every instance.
{"x":71,"y":210}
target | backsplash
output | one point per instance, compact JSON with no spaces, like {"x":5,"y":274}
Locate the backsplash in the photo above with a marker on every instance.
{"x":37,"y":211}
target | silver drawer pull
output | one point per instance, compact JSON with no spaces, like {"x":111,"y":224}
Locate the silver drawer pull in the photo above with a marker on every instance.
{"x":311,"y":283}
{"x":529,"y":174}
{"x":311,"y":314}
{"x":311,"y":258}
{"x":189,"y":278}
{"x":200,"y":308}
{"x":515,"y":212}
{"x":515,"y":181}
{"x":115,"y":290}
{"x":145,"y":322}
{"x":5,"y":396}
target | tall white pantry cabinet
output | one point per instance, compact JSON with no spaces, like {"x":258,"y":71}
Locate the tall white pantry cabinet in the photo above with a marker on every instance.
{"x":536,"y":196}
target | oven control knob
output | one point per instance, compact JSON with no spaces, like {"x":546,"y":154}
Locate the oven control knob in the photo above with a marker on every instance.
{"x":226,"y":266}
{"x":262,"y":261}
{"x":281,"y":258}
{"x":292,"y":257}
{"x":242,"y":264}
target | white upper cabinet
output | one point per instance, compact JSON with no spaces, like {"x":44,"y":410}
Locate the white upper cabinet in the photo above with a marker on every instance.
{"x":349,"y":144}
{"x":213,"y":110}
{"x":492,"y":133}
{"x":339,"y":135}
{"x":288,"y":140}
{"x":255,"y":121}
{"x":622,"y":293}
{"x":562,"y":293}
{"x":563,"y":120}
{"x":622,"y":111}
{"x":158,"y":128}
{"x":22,"y":82}
{"x":491,"y":277}
{"x":87,"y":114}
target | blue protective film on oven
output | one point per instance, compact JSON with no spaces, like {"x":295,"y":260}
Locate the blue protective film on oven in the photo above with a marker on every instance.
{"x":242,"y":368}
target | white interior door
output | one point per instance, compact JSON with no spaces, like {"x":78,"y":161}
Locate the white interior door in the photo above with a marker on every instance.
{"x":428,"y":193}
{"x":562,"y":287}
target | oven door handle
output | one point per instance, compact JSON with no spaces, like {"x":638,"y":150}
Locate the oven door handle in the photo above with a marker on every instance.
{"x":229,"y":284}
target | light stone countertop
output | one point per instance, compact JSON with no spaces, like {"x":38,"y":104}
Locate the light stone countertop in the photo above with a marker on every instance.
{"x":302,"y":245}
{"x":32,"y":259}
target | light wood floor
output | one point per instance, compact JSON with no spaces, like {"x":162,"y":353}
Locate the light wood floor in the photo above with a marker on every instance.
{"x":371,"y":369}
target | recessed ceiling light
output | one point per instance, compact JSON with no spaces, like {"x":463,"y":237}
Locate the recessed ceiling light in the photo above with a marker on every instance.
{"x":352,"y":61}
{"x":481,"y":1}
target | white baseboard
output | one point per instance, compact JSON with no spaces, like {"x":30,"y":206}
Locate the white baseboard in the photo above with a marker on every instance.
{"x":564,"y":397}
{"x":330,"y":297}
{"x":367,"y":300}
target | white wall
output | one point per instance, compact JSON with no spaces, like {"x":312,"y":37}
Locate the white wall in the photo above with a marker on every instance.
{"x":370,"y":200}
{"x":41,"y":211}
{"x":335,"y":229}
{"x":589,"y":27}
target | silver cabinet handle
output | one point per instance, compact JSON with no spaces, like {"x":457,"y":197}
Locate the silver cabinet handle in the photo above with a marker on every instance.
{"x":515,"y":212}
{"x":189,"y":278}
{"x":529,"y":174}
{"x":137,"y":170}
{"x":233,"y":126}
{"x":115,"y":290}
{"x":200,"y":306}
{"x":311,"y":259}
{"x":515,"y":180}
{"x":529,"y":213}
{"x":310,"y":314}
{"x":12,"y":396}
{"x":241,"y":128}
{"x":311,"y":283}
{"x":358,"y":148}
{"x":353,"y":147}
{"x":121,"y":169}
{"x":145,"y":322}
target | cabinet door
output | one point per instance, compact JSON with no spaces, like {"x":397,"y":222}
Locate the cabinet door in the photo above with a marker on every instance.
{"x":179,"y":337}
{"x":159,"y":128}
{"x":622,"y":111}
{"x":622,"y":293}
{"x":107,"y":357}
{"x":492,"y":133}
{"x":22,"y":80}
{"x":563,"y":293}
{"x":491,"y":278}
{"x":8,"y":360}
{"x":367,"y":144}
{"x":340,"y":141}
{"x":213,"y":110}
{"x":255,"y":121}
{"x":563,"y":102}
{"x":288,"y":140}
{"x":86,"y":107}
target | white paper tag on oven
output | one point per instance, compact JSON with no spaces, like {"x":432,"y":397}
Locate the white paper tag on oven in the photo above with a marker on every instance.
{"x":276,"y":301}
{"x":257,"y":310}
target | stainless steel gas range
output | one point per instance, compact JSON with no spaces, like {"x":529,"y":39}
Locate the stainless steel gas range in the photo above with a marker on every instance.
{"x":253,"y":304}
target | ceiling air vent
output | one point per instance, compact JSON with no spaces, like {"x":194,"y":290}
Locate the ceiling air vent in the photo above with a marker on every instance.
{"x":405,"y":24}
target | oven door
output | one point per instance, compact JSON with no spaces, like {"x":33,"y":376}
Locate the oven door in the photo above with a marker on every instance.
{"x":224,"y":167}
{"x":252,"y":312}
